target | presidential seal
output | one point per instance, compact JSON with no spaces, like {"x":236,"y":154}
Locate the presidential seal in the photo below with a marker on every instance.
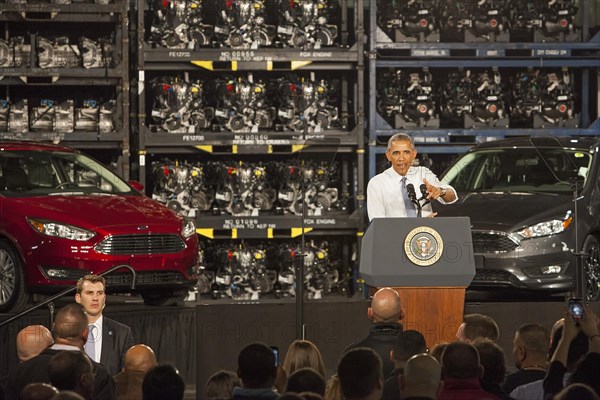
{"x":423,"y":246}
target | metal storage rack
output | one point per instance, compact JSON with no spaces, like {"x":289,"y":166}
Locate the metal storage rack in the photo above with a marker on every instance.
{"x":36,"y":69}
{"x":578,"y":51}
{"x":214,"y":143}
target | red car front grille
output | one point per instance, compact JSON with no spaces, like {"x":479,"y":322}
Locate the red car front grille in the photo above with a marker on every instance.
{"x":140,"y":244}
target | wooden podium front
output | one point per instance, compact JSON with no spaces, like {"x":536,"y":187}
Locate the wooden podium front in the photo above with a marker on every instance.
{"x":433,"y":293}
{"x":435,"y":312}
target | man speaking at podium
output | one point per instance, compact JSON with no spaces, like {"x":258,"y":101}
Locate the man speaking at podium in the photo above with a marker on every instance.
{"x":393,"y":192}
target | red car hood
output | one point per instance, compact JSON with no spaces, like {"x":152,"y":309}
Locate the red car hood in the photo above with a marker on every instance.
{"x":98,"y":211}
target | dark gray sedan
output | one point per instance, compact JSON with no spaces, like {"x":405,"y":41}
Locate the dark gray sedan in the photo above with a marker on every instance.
{"x":520,"y":196}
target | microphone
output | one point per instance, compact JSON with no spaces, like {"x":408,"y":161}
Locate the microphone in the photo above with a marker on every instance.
{"x":424,"y":194}
{"x":410,"y":188}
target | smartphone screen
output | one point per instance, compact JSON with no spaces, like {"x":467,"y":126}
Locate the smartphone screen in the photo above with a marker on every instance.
{"x":576,"y":309}
{"x":276,"y":354}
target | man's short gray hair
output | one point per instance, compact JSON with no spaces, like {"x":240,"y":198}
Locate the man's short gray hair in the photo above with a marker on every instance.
{"x":400,"y":136}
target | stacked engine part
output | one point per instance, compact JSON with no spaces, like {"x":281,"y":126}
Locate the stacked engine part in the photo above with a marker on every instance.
{"x":545,"y":20}
{"x":101,"y":2}
{"x":179,"y":25}
{"x":407,"y":99}
{"x":296,"y":102}
{"x":247,"y":188}
{"x":241,"y":104}
{"x":543,"y":98}
{"x":14,"y":53}
{"x":305,"y":103}
{"x":409,"y":20}
{"x":477,"y":20}
{"x":476,"y":98}
{"x":245,"y":271}
{"x":243,"y":24}
{"x":179,"y":105}
{"x":304,"y":23}
{"x":14,"y":117}
{"x":50,"y":115}
{"x":60,"y":53}
{"x":311,"y":186}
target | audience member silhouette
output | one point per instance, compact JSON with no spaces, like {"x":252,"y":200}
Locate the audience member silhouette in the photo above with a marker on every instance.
{"x":386,"y":313}
{"x":333,"y":390}
{"x":303,"y":354}
{"x":476,"y":326}
{"x":306,"y":380}
{"x":220,"y":385}
{"x":163,"y":382}
{"x":577,"y":391}
{"x":137,"y":362}
{"x":407,"y":344}
{"x":574,"y":343}
{"x":360,"y":374}
{"x":530,"y":354}
{"x":461,"y":371}
{"x":38,"y":391}
{"x":32,"y":340}
{"x":421,"y":379}
{"x":257,"y":371}
{"x":491,"y":358}
{"x":72,"y":370}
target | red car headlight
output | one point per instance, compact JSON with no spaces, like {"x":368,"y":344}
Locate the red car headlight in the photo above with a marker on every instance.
{"x":64,"y":231}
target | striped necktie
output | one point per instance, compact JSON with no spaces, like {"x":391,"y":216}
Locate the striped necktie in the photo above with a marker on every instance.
{"x":410,"y":207}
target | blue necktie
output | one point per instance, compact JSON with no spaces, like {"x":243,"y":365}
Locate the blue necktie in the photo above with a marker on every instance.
{"x":410,"y":208}
{"x":90,"y":345}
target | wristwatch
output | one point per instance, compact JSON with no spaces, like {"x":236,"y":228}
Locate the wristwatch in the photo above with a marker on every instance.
{"x":443,"y":192}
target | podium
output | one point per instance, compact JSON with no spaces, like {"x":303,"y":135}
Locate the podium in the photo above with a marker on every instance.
{"x":429,"y":261}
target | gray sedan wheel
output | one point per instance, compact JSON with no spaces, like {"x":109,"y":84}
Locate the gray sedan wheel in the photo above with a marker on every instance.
{"x":592,"y":268}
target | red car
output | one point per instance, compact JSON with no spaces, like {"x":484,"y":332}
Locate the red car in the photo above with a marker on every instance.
{"x":64,"y":215}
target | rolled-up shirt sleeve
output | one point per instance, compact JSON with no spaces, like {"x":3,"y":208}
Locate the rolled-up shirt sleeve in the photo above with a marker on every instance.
{"x":433,"y":179}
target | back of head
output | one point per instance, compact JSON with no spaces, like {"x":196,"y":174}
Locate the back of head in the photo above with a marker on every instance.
{"x":256,"y":366}
{"x":67,"y":395}
{"x":586,"y":371}
{"x":72,"y":370}
{"x":460,"y":360}
{"x":32,"y":340}
{"x":409,"y":343}
{"x":359,"y":372}
{"x":38,"y":391}
{"x":577,"y":391}
{"x":333,"y":389}
{"x":422,"y":374}
{"x":437,"y":350}
{"x":478,"y":326}
{"x":579,"y":346}
{"x":491,"y":357}
{"x":303,"y":354}
{"x":69,"y":324}
{"x":163,"y":382}
{"x":386,"y":306}
{"x":221,"y":384}
{"x":139,"y":357}
{"x":535,"y":338}
{"x":306,"y":380}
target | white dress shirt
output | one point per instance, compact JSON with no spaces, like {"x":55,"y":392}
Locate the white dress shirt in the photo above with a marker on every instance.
{"x":385,"y":197}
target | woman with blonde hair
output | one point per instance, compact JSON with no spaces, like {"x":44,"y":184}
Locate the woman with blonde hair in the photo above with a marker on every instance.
{"x":303,"y":354}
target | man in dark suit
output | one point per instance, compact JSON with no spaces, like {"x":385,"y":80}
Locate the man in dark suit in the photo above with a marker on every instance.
{"x":108,"y":340}
{"x":70,"y":332}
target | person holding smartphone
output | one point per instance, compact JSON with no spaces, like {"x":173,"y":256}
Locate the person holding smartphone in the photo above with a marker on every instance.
{"x":579,"y":333}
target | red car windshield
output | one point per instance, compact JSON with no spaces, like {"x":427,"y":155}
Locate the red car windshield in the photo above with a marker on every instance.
{"x":40,"y":173}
